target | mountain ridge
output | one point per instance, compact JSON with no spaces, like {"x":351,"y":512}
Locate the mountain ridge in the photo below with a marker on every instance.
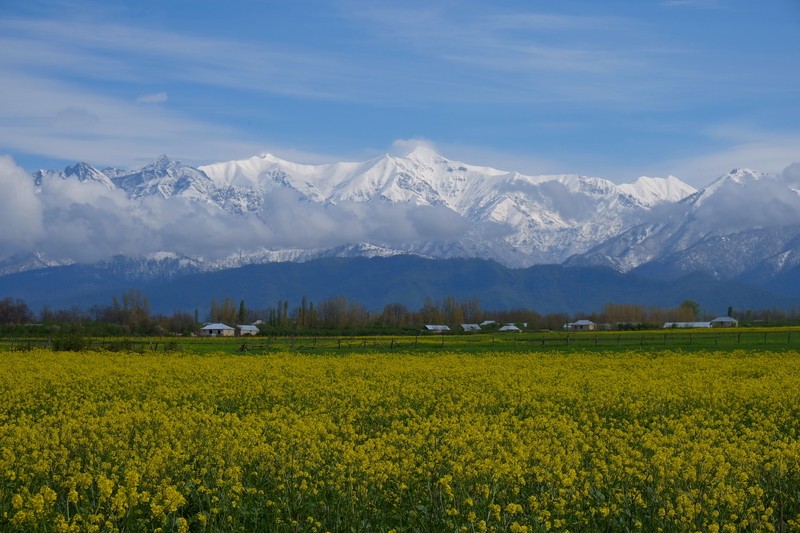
{"x":376,"y":282}
{"x":744,"y":225}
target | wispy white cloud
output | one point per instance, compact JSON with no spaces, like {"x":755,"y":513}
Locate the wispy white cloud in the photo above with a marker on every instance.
{"x":695,"y":3}
{"x":401,"y":147}
{"x":534,"y":58}
{"x":83,"y":119}
{"x":127,"y":53}
{"x":553,"y":22}
{"x":74,"y":119}
{"x":514,"y":42}
{"x":74,"y":89}
{"x":474,"y":50}
{"x":153,"y":98}
{"x":19,"y":209}
{"x":73,"y":123}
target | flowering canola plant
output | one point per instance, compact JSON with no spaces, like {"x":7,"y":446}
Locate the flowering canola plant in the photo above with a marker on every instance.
{"x":625,"y":441}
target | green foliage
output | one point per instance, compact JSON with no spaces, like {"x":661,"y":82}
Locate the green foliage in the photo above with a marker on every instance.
{"x":242,"y":317}
{"x":14,"y":312}
{"x":692,"y":309}
{"x":70,"y":342}
{"x":172,"y":346}
{"x":223,"y":311}
{"x":120,"y":345}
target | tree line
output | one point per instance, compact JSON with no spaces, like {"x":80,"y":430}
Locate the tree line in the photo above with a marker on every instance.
{"x":130,"y":314}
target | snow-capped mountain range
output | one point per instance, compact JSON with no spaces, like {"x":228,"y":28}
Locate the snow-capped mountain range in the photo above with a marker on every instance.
{"x":265,"y":209}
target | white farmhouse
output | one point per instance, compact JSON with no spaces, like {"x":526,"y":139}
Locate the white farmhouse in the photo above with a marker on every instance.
{"x":724,"y":322}
{"x":683,"y":325}
{"x":582,"y":325}
{"x":217,"y":330}
{"x":247,"y":330}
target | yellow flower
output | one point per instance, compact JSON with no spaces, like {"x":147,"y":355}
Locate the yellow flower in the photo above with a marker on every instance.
{"x":16,"y":501}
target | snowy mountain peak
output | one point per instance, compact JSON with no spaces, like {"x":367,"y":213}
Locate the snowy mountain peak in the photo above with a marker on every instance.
{"x":653,"y":191}
{"x":83,"y":172}
{"x":423,"y":154}
{"x":741,"y":176}
{"x":743,"y":172}
{"x":270,"y":158}
{"x":162,"y":163}
{"x":86,"y":172}
{"x":165,"y":177}
{"x":737,"y":177}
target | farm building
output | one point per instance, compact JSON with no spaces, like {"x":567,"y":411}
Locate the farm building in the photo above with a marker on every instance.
{"x":687,"y":325}
{"x":582,"y":325}
{"x":217,"y":330}
{"x":471,"y":327}
{"x":437,"y":328}
{"x":509,"y":327}
{"x":247,"y":330}
{"x":724,"y":322}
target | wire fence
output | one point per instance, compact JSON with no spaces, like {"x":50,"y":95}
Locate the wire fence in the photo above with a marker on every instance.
{"x":777,"y":338}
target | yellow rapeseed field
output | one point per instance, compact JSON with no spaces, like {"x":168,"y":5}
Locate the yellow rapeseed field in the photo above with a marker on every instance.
{"x":441,"y":442}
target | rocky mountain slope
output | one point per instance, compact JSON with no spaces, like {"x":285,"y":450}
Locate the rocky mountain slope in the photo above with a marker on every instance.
{"x":745,"y":223}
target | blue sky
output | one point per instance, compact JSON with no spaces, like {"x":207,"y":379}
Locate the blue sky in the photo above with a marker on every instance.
{"x":614,"y":89}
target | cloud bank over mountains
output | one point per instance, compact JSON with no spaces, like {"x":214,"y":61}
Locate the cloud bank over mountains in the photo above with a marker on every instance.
{"x":265,"y":209}
{"x":66,"y":219}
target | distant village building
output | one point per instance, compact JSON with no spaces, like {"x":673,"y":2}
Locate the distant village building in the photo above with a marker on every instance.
{"x":668,"y":325}
{"x":582,"y":325}
{"x":509,"y":327}
{"x":247,"y":330}
{"x":471,"y":327}
{"x":437,"y":328}
{"x":487,"y":323}
{"x":724,"y":322}
{"x":217,"y":330}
